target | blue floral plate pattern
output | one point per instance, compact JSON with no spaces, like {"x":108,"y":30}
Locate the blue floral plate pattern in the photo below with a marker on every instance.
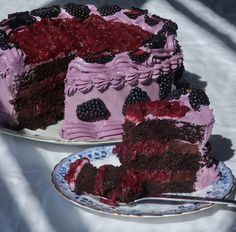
{"x":103,"y":155}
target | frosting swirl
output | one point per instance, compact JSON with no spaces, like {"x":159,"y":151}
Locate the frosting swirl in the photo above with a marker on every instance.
{"x":83,"y":76}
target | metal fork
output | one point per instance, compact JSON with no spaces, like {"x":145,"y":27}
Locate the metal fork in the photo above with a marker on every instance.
{"x":181,"y":198}
{"x":169,"y":197}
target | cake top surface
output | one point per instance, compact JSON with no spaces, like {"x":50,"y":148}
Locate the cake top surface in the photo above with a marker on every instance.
{"x":88,"y":31}
{"x":186,"y":105}
{"x":47,"y":38}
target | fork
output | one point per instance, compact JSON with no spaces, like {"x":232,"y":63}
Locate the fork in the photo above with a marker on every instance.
{"x":169,"y":197}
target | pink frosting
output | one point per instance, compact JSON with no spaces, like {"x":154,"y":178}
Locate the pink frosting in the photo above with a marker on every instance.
{"x":206,"y":176}
{"x":11,"y":65}
{"x":83,"y":76}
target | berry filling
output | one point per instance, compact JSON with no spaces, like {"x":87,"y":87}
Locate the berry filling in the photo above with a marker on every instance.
{"x":149,"y":147}
{"x":48,"y":38}
{"x":161,"y":108}
{"x":74,"y":169}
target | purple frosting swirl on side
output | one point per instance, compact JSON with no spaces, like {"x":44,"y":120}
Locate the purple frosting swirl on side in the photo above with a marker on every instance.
{"x":83,"y":76}
{"x":11,"y":65}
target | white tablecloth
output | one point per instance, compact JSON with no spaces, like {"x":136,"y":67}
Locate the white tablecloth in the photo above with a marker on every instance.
{"x":29,"y":202}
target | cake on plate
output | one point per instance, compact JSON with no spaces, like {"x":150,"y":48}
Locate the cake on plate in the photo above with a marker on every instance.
{"x":165,"y":148}
{"x":84,"y":65}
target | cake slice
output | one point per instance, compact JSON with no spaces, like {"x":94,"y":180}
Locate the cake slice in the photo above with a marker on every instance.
{"x":154,"y":161}
{"x":186,"y":116}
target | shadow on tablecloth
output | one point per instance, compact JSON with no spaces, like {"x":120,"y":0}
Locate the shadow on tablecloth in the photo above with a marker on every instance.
{"x":217,"y":6}
{"x":36,"y":172}
{"x":225,"y":9}
{"x":222,"y":147}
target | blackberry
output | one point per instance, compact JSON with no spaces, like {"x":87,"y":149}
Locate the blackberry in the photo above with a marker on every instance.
{"x":151,"y":21}
{"x":155,"y":41}
{"x":108,"y":9}
{"x":47,"y":12}
{"x":3,"y":34}
{"x":136,"y":95}
{"x":18,"y":14}
{"x":100,"y":58}
{"x":158,"y":18}
{"x":207,"y":157}
{"x":79,"y":11}
{"x":139,"y":56}
{"x":4,"y":44}
{"x":165,"y":83}
{"x":169,"y":27}
{"x":177,"y":49}
{"x":134,"y":13}
{"x":198,"y":97}
{"x":21,"y":21}
{"x":92,"y":110}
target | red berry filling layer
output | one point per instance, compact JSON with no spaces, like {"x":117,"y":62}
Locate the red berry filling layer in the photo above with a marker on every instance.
{"x":49,"y":38}
{"x":159,"y":108}
{"x":74,"y":169}
{"x":149,"y":148}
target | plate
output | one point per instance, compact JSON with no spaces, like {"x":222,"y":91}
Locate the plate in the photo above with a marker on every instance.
{"x":103,"y":155}
{"x":51,"y":135}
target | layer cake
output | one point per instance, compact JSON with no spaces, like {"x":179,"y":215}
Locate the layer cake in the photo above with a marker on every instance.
{"x":151,"y":160}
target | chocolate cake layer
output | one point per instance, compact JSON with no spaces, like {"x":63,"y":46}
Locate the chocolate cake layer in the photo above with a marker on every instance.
{"x":39,"y":100}
{"x":162,"y":129}
{"x":174,"y":181}
{"x":42,"y":71}
{"x":86,"y":179}
{"x":167,"y":161}
{"x":42,"y":109}
{"x":107,"y":179}
{"x":154,"y":189}
{"x":159,"y":155}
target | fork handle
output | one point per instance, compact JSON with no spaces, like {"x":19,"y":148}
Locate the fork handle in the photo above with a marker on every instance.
{"x":166,"y":197}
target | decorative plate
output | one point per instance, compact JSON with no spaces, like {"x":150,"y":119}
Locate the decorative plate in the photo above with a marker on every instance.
{"x":51,"y":135}
{"x":103,"y":155}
